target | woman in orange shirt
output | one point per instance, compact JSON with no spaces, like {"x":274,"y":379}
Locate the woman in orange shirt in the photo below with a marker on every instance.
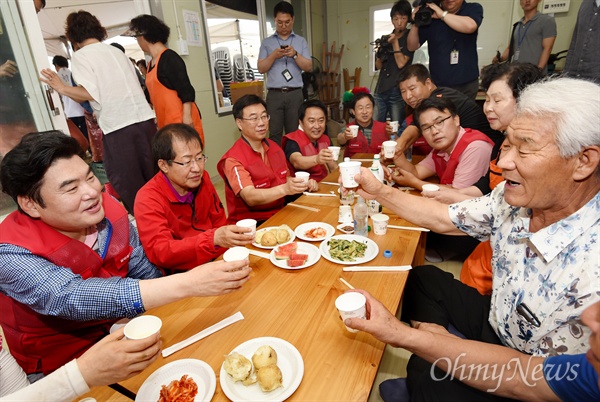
{"x":171,"y":92}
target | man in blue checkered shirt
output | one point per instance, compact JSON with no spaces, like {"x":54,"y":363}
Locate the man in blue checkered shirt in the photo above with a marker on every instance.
{"x":71,"y":263}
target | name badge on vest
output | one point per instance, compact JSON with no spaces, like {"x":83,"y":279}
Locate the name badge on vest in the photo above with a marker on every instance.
{"x":287,"y":75}
{"x":454,"y":57}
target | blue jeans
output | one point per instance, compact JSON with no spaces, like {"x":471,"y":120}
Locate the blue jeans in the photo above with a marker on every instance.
{"x":390,"y":102}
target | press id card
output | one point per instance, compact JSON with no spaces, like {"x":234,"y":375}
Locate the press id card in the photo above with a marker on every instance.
{"x":287,"y":75}
{"x":454,"y":57}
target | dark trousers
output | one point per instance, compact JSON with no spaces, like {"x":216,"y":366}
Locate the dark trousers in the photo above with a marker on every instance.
{"x":470,"y":88}
{"x":128,"y":159}
{"x":283,"y":109}
{"x":80,"y":123}
{"x":433,"y":295}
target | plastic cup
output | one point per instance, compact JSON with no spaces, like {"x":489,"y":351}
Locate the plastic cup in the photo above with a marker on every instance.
{"x":431,"y":187}
{"x":335,"y":151}
{"x":348,"y":170}
{"x":394,"y":125}
{"x":380,"y":222}
{"x":236,"y":254}
{"x":350,"y":305}
{"x":389,"y":149}
{"x":303,"y":175}
{"x":354,"y":130}
{"x":142,"y":327}
{"x":248,"y":223}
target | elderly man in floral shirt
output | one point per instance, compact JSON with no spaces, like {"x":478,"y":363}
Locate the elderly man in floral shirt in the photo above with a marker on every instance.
{"x":543,"y":223}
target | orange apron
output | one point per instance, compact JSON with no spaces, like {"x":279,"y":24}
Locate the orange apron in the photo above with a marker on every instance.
{"x":167,"y":105}
{"x":477,"y":268}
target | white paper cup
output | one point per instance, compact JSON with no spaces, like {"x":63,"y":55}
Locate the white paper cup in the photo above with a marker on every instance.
{"x":380,"y":222}
{"x":248,"y":223}
{"x":354,"y":130}
{"x":389,"y":149}
{"x":431,"y":187}
{"x":348,"y":170}
{"x":142,"y":327}
{"x":303,"y":175}
{"x":236,"y":254}
{"x":394,"y":125}
{"x":350,"y":305}
{"x":335,"y":151}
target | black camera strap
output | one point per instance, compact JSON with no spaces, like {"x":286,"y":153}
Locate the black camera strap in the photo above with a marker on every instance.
{"x":511,"y":46}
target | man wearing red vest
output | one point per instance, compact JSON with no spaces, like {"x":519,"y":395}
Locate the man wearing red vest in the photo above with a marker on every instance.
{"x":254,"y":169}
{"x":371,"y":133}
{"x":71,"y":264}
{"x":179,"y":215}
{"x":460,"y":156}
{"x":307,"y":149}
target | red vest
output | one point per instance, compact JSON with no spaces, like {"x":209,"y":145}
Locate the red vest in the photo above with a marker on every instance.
{"x":167,"y":104}
{"x":445,"y":170}
{"x":262,"y":177}
{"x":360,"y":145}
{"x":42,"y":343}
{"x":317,"y":172}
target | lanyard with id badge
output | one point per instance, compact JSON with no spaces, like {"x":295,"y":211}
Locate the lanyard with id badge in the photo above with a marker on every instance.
{"x":287,"y":75}
{"x":454,"y":54}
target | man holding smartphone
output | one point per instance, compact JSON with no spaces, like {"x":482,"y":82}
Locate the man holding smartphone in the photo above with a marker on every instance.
{"x":283,"y":56}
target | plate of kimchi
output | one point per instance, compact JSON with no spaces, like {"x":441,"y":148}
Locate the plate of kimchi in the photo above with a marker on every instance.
{"x":185,"y":380}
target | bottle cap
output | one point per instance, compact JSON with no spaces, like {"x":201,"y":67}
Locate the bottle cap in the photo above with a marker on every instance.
{"x":387,"y":253}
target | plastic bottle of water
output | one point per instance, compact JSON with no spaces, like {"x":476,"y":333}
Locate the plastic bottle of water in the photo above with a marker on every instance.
{"x":376,"y":168}
{"x":408,"y":153}
{"x":361,"y":218}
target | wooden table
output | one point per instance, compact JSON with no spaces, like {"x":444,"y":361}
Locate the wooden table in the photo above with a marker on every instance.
{"x":295,"y":305}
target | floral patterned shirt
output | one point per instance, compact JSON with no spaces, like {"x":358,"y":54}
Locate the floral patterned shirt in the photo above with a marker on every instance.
{"x":555,"y":272}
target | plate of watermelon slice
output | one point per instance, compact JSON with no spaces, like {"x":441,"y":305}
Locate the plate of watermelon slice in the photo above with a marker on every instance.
{"x":295,"y":255}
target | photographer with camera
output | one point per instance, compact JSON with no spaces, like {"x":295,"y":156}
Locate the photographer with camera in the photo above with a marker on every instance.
{"x":450,"y":28}
{"x":391,"y":57}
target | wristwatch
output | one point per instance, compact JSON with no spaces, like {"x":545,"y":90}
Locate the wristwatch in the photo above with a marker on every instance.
{"x":444,"y":15}
{"x":295,"y":56}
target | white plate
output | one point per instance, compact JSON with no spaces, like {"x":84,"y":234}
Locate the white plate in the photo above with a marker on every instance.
{"x":289,"y":361}
{"x":343,"y":225}
{"x":303,"y":248}
{"x":302,"y":229}
{"x":290,"y":231}
{"x":199,"y":371}
{"x":370,"y":253}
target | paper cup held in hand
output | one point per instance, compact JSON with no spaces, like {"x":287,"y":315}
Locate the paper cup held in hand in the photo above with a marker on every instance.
{"x":248,"y":223}
{"x":348,"y":170}
{"x":142,"y":327}
{"x":389,"y":149}
{"x":303,"y":175}
{"x":350,"y":305}
{"x":354,"y":129}
{"x":394,"y":126}
{"x":431,"y":187}
{"x":380,"y":222}
{"x":335,"y":152}
{"x":236,"y":254}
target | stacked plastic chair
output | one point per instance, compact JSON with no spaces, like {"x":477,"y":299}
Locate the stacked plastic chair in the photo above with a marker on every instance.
{"x":222,"y":61}
{"x":238,"y":69}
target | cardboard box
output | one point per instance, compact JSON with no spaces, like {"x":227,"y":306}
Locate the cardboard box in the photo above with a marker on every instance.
{"x":239,"y":89}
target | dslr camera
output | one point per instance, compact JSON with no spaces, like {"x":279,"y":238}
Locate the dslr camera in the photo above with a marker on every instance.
{"x":383,"y":48}
{"x":424,"y":16}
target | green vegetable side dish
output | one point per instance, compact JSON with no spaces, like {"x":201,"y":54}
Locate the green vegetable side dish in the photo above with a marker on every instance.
{"x":346,"y":250}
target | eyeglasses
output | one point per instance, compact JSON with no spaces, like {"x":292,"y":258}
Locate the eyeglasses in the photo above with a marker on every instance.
{"x":283,"y":23}
{"x":255,"y":119}
{"x":199,"y":161}
{"x":438,"y":125}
